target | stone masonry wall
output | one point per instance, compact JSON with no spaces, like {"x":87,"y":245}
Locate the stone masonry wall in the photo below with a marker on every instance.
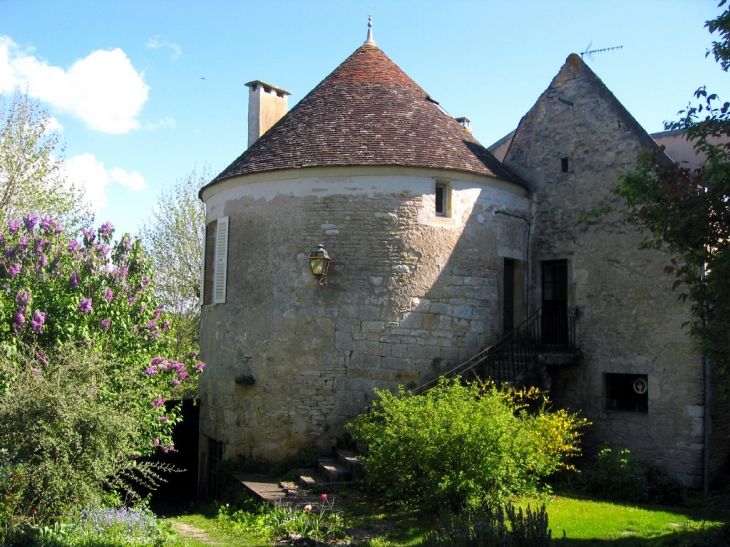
{"x":408,"y":296}
{"x":629,"y":319}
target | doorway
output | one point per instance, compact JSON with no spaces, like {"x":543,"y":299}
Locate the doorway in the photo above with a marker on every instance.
{"x":555,"y":302}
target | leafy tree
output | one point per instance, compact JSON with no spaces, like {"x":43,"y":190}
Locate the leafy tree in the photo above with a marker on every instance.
{"x":460,"y":446}
{"x":174,"y":237}
{"x":687,"y":212}
{"x":31,"y":178}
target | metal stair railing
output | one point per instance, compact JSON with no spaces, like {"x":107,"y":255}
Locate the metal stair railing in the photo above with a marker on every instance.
{"x":507,"y":360}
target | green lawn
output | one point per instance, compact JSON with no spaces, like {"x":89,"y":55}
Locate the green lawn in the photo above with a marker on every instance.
{"x":586,"y":522}
{"x":575,"y":522}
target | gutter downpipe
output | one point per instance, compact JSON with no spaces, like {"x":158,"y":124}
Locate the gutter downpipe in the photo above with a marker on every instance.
{"x":706,"y":415}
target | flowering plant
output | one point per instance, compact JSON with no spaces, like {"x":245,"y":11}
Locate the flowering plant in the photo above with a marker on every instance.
{"x":64,"y":301}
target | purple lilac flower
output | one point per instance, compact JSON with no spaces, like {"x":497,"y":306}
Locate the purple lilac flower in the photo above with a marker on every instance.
{"x":108,"y":294}
{"x":105,"y":323}
{"x":13,"y":226}
{"x":23,"y":243}
{"x":39,"y":318}
{"x":73,"y":282}
{"x":37,"y":372}
{"x":151,"y":324}
{"x":163,"y":419}
{"x":156,"y":441}
{"x":106,"y":229}
{"x":10,"y":252}
{"x":14,"y":269}
{"x":19,"y":318}
{"x":47,"y":223}
{"x":73,"y":246}
{"x":158,"y":312}
{"x":42,"y":357}
{"x":145,"y":283}
{"x":155,"y":334}
{"x":22,"y":298}
{"x":165,"y":326}
{"x":89,"y":235}
{"x":30,"y":221}
{"x":38,"y":244}
{"x":149,"y":371}
{"x":175,"y":382}
{"x":182,"y":374}
{"x":85,"y":305}
{"x":2,"y":238}
{"x":141,"y":309}
{"x":200,"y":366}
{"x":158,"y":402}
{"x":132,"y":299}
{"x":168,"y":448}
{"x":157,"y":360}
{"x":44,"y":260}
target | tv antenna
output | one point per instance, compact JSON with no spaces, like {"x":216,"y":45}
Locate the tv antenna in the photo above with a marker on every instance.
{"x":589,"y":52}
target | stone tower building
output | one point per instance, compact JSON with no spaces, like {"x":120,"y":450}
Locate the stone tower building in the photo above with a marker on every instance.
{"x":438,"y":249}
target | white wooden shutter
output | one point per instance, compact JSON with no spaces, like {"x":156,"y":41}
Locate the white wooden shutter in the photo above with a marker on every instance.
{"x":221,"y":261}
{"x":202,"y":266}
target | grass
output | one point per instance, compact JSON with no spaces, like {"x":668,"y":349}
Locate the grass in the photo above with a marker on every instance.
{"x":575,"y":522}
{"x":599,"y":522}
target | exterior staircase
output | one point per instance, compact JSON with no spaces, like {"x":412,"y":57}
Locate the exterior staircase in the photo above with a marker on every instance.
{"x":547,"y":337}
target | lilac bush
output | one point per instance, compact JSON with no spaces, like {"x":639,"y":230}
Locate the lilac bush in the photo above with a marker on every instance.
{"x":91,"y":299}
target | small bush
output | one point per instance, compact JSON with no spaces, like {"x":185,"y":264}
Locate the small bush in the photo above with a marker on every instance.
{"x":462,"y":446}
{"x":306,"y":458}
{"x":484,"y":528}
{"x":617,"y":475}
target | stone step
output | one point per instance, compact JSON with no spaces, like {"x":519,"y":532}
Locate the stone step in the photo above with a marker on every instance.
{"x":332,"y":471}
{"x":309,"y":480}
{"x":352,"y":461}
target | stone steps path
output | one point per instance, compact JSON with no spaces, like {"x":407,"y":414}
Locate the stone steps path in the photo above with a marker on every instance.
{"x":344,"y":467}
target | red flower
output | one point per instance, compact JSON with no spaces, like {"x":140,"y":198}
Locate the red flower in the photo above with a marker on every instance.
{"x":324,"y":496}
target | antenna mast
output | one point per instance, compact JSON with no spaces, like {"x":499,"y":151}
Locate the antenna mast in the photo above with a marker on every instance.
{"x":589,"y":52}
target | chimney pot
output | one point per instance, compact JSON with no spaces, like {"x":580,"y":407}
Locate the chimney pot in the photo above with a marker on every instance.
{"x":267,"y":104}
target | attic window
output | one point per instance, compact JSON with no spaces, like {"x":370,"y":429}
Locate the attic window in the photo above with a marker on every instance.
{"x":442,"y":199}
{"x":564,"y":165}
{"x":627,"y":393}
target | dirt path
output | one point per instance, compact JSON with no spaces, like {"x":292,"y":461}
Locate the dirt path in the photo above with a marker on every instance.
{"x":186,"y":531}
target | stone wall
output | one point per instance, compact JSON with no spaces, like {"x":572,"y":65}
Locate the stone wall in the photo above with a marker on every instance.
{"x":409,"y":295}
{"x":629,"y":319}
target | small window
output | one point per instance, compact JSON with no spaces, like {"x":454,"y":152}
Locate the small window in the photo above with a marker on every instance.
{"x":627,"y":393}
{"x":564,"y":165}
{"x":442,"y":200}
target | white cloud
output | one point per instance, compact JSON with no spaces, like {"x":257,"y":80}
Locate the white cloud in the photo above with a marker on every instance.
{"x":103,"y":89}
{"x":155,"y":43}
{"x":85,"y":171}
{"x":53,"y":125}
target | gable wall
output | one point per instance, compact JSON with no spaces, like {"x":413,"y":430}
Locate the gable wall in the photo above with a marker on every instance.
{"x":629,"y":320}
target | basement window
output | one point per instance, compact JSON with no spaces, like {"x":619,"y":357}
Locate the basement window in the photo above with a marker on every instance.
{"x":627,"y":393}
{"x":442,"y":199}
{"x":564,"y":165}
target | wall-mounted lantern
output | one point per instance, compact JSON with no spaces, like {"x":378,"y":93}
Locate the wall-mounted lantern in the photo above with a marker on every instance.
{"x":320,"y":262}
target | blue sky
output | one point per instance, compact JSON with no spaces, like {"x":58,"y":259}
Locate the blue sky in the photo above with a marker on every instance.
{"x":124,"y":80}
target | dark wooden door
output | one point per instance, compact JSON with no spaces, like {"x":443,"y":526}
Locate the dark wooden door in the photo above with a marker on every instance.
{"x":555,"y":302}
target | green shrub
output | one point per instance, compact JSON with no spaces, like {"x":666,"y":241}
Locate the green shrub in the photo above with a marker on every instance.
{"x":306,"y":458}
{"x":70,"y":433}
{"x":617,"y":475}
{"x":484,"y":528}
{"x":462,"y":446}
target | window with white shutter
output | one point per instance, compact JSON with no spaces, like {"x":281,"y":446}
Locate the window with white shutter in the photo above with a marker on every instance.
{"x":221,"y":261}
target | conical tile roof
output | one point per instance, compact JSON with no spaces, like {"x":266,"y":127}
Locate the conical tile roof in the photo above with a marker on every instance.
{"x":367,"y":112}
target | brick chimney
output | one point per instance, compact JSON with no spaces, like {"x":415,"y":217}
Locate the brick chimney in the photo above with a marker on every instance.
{"x":266,"y":106}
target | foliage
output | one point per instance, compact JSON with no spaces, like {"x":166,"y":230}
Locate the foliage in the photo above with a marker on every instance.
{"x":617,"y":475}
{"x":174,"y":237}
{"x":82,"y":340}
{"x":685,"y":212}
{"x":485,"y":528}
{"x":461,"y":446}
{"x":31,"y":179}
{"x":273,"y":522}
{"x":54,"y":289}
{"x":94,"y":527}
{"x":72,"y":429}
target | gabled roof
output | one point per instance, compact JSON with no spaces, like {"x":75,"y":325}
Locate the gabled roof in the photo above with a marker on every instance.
{"x":574,"y":69}
{"x":367,"y":112}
